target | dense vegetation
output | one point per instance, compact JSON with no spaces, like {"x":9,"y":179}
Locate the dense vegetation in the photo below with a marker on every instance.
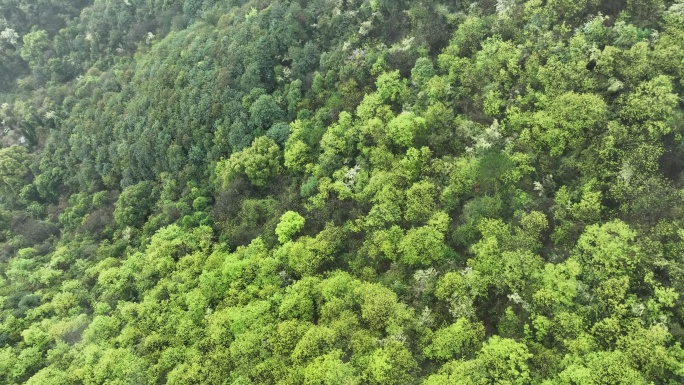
{"x":342,"y":192}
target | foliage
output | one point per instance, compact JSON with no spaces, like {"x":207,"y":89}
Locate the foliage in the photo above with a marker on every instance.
{"x":341,"y":192}
{"x":289,"y":225}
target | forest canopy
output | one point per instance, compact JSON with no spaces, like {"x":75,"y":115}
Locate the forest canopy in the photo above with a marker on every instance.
{"x":349,"y":192}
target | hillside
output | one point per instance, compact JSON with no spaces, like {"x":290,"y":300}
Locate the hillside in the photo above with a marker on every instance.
{"x":342,"y":192}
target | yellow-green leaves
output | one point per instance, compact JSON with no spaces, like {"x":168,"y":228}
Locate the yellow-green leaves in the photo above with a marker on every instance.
{"x":307,"y":255}
{"x":259,"y":162}
{"x":135,"y":204}
{"x":458,"y":340}
{"x":392,"y":364}
{"x":378,"y":305}
{"x":603,"y":367}
{"x":651,"y":106}
{"x":405,"y":129}
{"x":500,"y":361}
{"x":567,"y":123}
{"x":329,"y":369}
{"x":391,"y":89}
{"x":608,"y":251}
{"x":14,"y":170}
{"x":289,"y":225}
{"x":424,"y":245}
{"x":420,"y":201}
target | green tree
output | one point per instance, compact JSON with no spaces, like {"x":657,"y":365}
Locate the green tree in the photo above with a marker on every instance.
{"x":425,"y":245}
{"x":289,"y":225}
{"x":392,"y":364}
{"x":608,"y":251}
{"x":391,"y":88}
{"x":329,"y":369}
{"x":602,"y":368}
{"x":458,"y":340}
{"x":406,"y":130}
{"x":500,"y":361}
{"x":15,"y":162}
{"x":307,"y":255}
{"x":651,"y":106}
{"x":420,"y":201}
{"x":135,"y":204}
{"x":264,"y":112}
{"x":35,"y":53}
{"x":259,"y":162}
